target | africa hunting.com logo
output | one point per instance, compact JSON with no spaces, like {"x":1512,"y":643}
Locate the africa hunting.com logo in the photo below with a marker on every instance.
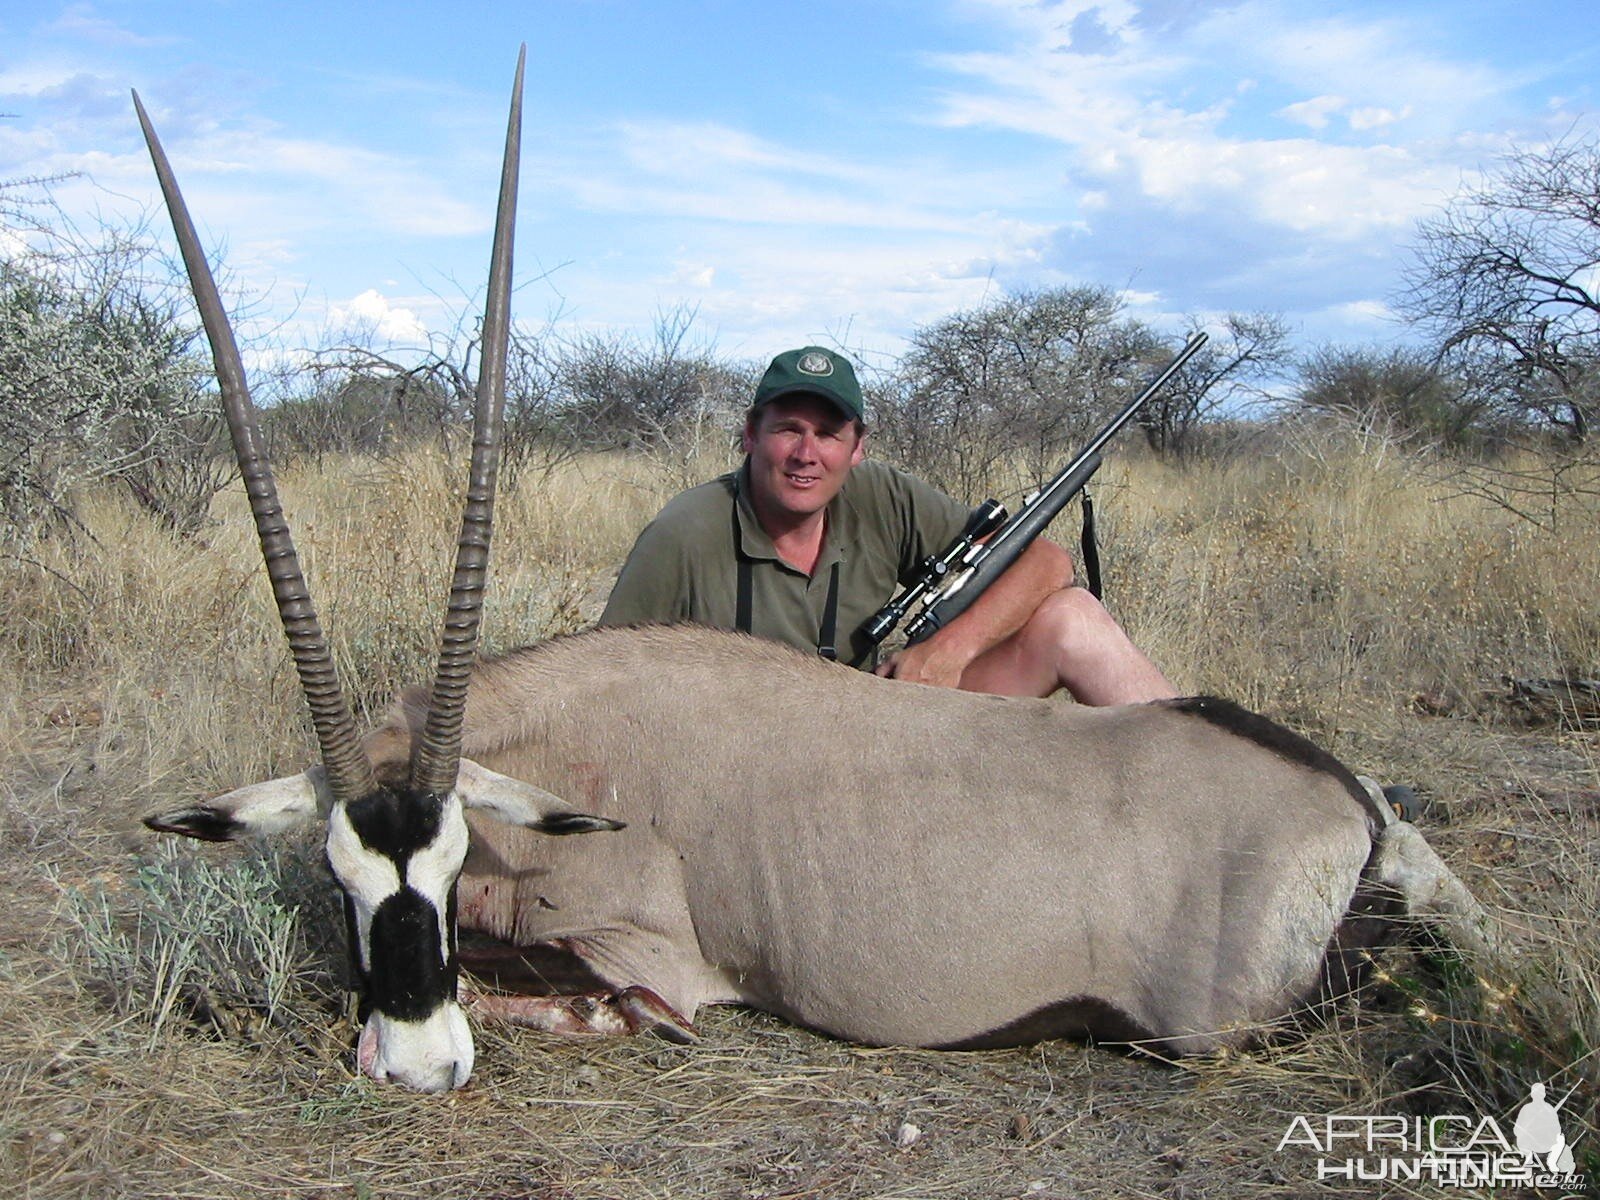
{"x":1450,"y":1151}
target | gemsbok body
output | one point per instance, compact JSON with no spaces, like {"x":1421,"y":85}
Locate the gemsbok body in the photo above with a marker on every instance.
{"x":886,"y":862}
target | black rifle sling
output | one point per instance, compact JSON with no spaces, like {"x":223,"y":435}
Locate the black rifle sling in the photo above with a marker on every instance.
{"x":744,"y":598}
{"x":1091,"y":549}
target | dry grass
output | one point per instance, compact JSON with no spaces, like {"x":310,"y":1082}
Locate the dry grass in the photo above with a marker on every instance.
{"x":1344,"y":589}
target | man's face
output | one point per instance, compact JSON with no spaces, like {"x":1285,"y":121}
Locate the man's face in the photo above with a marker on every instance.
{"x":801,"y":450}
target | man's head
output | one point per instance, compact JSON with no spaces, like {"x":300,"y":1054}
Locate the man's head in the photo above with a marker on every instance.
{"x":803,"y":434}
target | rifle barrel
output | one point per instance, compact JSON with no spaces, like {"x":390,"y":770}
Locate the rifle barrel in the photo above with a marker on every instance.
{"x":1015,"y":536}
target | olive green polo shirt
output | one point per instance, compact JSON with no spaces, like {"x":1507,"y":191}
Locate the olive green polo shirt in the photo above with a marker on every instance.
{"x":684,"y":567}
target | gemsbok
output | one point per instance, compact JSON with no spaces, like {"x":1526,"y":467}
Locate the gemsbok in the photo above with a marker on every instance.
{"x":885,"y":862}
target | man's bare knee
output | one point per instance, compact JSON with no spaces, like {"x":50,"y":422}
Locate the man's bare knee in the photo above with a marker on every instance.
{"x":1094,"y":658}
{"x":1071,"y":619}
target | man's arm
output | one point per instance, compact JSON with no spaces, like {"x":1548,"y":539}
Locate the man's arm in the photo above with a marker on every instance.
{"x":1002,"y":610}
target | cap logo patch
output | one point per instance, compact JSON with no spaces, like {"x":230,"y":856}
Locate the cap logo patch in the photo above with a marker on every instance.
{"x":815,"y":363}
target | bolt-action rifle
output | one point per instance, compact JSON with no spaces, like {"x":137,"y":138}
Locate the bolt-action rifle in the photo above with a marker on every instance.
{"x":947,"y":584}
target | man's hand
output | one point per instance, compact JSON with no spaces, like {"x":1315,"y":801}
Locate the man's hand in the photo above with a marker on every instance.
{"x":1003,"y":609}
{"x":933,"y":662}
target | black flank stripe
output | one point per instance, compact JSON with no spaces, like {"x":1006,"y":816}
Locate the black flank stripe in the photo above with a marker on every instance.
{"x":1285,"y":743}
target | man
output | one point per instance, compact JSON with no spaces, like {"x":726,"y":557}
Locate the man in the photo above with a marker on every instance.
{"x":808,"y":539}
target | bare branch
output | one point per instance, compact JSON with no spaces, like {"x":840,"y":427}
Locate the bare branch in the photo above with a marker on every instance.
{"x":1507,"y":280}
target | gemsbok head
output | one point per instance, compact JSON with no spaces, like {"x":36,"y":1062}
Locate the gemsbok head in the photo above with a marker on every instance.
{"x":395,"y":843}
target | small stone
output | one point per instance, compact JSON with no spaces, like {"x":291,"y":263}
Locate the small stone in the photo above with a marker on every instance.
{"x":907,"y":1135}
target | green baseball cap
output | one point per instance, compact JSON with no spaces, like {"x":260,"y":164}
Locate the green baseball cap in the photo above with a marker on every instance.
{"x":815,"y":370}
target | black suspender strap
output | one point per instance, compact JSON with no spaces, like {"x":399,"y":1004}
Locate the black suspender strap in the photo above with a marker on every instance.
{"x":743,"y":598}
{"x":830,"y":618}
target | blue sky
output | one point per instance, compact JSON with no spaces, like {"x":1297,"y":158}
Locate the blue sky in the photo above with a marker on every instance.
{"x":826,"y":172}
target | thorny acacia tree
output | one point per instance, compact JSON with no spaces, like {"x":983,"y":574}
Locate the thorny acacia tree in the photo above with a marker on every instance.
{"x":668,"y":394}
{"x":1397,"y":393}
{"x":361,"y":396}
{"x":1031,"y":374}
{"x":1244,"y":352}
{"x":1508,"y":279}
{"x":1037,"y":373}
{"x":101,"y":373}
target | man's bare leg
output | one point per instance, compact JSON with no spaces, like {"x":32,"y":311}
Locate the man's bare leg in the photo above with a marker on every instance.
{"x":1070,"y":642}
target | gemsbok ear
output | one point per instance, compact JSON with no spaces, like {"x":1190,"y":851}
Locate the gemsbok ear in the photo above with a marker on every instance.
{"x":518,"y":803}
{"x":262,"y":808}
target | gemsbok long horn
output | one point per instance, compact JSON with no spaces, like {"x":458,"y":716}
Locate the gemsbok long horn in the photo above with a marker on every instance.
{"x":349,"y":771}
{"x":436,"y":755}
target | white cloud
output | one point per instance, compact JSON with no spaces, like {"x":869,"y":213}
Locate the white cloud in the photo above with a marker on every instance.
{"x":1378,"y":63}
{"x":33,"y":78}
{"x":1364,"y":314}
{"x":660,"y":147}
{"x":713,"y":173}
{"x":244,"y":178}
{"x":372,"y":311}
{"x":863,"y":288}
{"x":330,"y":184}
{"x":693,"y":274}
{"x":80,"y":21}
{"x":1146,"y":120}
{"x":1314,"y":113}
{"x":778,"y":243}
{"x":1377,"y":118}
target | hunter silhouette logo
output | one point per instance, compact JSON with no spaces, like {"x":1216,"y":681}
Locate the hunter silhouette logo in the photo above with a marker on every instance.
{"x":816,"y":363}
{"x":1453,"y":1151}
{"x":1538,"y":1133}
